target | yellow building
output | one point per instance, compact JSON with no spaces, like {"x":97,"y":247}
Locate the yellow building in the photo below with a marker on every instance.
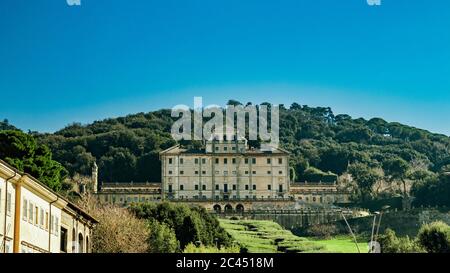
{"x":225,"y":170}
{"x":319,"y":193}
{"x":35,"y":219}
{"x":123,"y":194}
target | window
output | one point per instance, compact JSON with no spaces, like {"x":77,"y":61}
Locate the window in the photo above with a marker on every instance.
{"x":269,"y":172}
{"x":52,"y":224}
{"x":217,"y":161}
{"x":196,"y":172}
{"x":203,"y":160}
{"x":41,"y":218}
{"x":204,"y":187}
{"x":30,"y":212}
{"x":170,"y":188}
{"x":196,"y":161}
{"x":225,"y":172}
{"x":46,"y":220}
{"x":217,"y":148}
{"x":217,"y":187}
{"x":181,"y":187}
{"x":36,"y":219}
{"x":170,"y":160}
{"x":280,"y":172}
{"x":170,"y":172}
{"x":269,"y":187}
{"x":253,"y":172}
{"x":63,"y":244}
{"x":196,"y":187}
{"x":246,"y":187}
{"x":254,"y":187}
{"x":233,"y":148}
{"x":225,"y":148}
{"x":268,"y":161}
{"x":234,"y":187}
{"x":233,"y":160}
{"x":246,"y":161}
{"x":253,"y":160}
{"x":181,"y":161}
{"x":56,"y":226}
{"x":181,"y":172}
{"x":203,"y":172}
{"x":8,"y":204}
{"x":25,"y":209}
{"x":280,"y":160}
{"x":246,"y":172}
{"x":225,"y":161}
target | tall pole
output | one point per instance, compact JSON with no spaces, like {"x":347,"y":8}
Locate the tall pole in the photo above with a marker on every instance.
{"x":351,"y":232}
{"x":373,"y":231}
{"x":379,"y":223}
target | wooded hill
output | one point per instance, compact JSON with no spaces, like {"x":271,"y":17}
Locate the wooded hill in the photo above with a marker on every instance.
{"x":324,"y":147}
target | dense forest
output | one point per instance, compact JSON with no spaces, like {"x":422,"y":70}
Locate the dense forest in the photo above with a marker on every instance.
{"x":373,"y":158}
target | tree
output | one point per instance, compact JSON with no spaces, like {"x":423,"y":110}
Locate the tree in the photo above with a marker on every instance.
{"x":118,"y":230}
{"x":234,"y":102}
{"x":435,"y":237}
{"x":162,"y":238}
{"x":4,"y":125}
{"x":390,"y":243}
{"x":397,"y":169}
{"x":190,"y":224}
{"x":22,"y":152}
{"x":365,"y":178}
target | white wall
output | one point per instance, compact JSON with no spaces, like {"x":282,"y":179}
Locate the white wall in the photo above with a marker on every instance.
{"x":9,"y":216}
{"x":36,"y":233}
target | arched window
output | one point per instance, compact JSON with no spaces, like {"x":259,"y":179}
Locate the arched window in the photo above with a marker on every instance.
{"x":228,"y":208}
{"x":88,"y":247}
{"x":217,"y":208}
{"x":240,"y":208}
{"x":80,"y":243}
{"x":74,"y":241}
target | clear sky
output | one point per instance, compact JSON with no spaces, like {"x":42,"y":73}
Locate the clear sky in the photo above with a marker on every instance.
{"x":61,"y":64}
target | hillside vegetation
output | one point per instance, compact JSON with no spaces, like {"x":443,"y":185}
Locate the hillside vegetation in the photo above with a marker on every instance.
{"x":372,"y":158}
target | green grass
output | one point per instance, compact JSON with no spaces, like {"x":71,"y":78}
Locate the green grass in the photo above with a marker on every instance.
{"x":260,"y":236}
{"x":342,"y":244}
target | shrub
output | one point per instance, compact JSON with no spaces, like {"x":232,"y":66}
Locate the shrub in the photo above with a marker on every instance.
{"x":322,"y":230}
{"x":435,"y":237}
{"x":162,"y":238}
{"x":190,"y":224}
{"x":390,"y":243}
{"x":118,"y":230}
{"x":191,"y":248}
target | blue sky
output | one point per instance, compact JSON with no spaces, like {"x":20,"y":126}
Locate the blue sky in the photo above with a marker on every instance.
{"x":61,"y":64}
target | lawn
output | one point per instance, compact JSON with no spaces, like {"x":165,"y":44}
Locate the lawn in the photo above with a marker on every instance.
{"x":260,"y":236}
{"x":342,"y":244}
